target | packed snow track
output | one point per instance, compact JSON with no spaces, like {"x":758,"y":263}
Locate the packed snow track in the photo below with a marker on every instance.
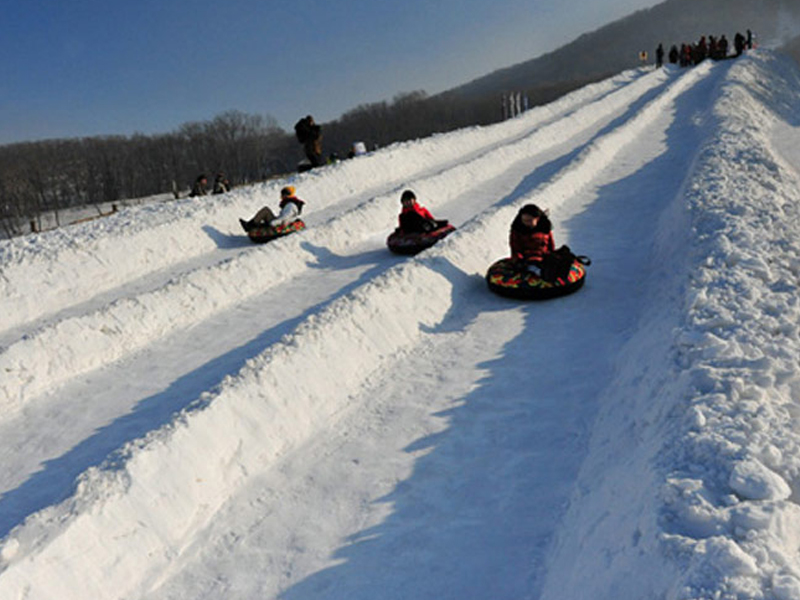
{"x":188,"y":415}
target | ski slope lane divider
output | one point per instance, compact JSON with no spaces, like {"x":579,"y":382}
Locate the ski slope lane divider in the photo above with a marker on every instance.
{"x":64,"y":350}
{"x":81,"y":261}
{"x":131,"y":516}
{"x":704,"y":504}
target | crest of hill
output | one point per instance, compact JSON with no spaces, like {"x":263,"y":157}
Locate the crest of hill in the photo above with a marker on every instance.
{"x":616,"y":46}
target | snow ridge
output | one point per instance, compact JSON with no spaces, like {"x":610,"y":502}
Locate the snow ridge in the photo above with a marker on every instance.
{"x":684,"y":479}
{"x":77,"y":345}
{"x":730,"y":507}
{"x":143,"y":240}
{"x":262,"y":413}
{"x":711,"y":440}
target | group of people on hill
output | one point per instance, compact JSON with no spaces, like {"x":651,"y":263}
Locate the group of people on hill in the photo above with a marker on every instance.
{"x":530,"y":236}
{"x":715,"y":48}
{"x":200,"y":187}
{"x":309,"y":134}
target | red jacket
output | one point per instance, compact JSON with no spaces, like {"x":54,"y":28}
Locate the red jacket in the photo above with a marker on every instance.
{"x":532,"y":245}
{"x":414,"y":208}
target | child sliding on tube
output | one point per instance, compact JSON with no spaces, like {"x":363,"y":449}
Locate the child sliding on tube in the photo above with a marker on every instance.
{"x":531,"y":238}
{"x":415,"y":218}
{"x":291,"y":207}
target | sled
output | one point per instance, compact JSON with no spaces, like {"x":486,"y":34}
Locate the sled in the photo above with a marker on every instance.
{"x":401,"y":242}
{"x":267,"y":233}
{"x":511,"y":279}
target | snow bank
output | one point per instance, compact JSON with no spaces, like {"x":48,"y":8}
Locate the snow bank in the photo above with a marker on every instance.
{"x":730,"y":512}
{"x":81,"y":261}
{"x":690,"y":483}
{"x":705,"y":454}
{"x":77,"y":345}
{"x":158,"y":492}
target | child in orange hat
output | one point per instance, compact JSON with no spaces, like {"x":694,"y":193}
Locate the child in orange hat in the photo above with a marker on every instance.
{"x":291,"y":206}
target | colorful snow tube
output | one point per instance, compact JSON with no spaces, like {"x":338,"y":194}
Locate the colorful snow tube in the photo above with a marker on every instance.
{"x":262,"y":235}
{"x":400,"y":242}
{"x":508,"y":278}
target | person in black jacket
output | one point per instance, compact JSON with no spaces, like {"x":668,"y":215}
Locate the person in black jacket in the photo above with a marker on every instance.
{"x":310,"y":135}
{"x":221,"y":184}
{"x":674,"y":57}
{"x":200,"y":187}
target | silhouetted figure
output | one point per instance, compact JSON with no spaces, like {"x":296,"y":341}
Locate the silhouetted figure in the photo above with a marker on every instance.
{"x":221,"y":184}
{"x":310,"y":135}
{"x":722,"y":47}
{"x":686,"y":55}
{"x":200,"y":187}
{"x":674,"y":56}
{"x":712,"y":47}
{"x":701,"y":51}
{"x":660,"y":56}
{"x":738,"y":43}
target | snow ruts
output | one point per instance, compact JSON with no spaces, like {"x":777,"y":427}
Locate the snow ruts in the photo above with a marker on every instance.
{"x":127,"y":246}
{"x":708,"y":426}
{"x":262,"y":413}
{"x":77,"y":345}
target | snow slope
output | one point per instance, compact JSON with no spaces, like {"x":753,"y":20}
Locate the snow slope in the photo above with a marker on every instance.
{"x":187,"y":415}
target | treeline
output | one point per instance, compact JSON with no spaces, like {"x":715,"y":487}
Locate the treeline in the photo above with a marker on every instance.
{"x":53,"y":175}
{"x":46,"y":177}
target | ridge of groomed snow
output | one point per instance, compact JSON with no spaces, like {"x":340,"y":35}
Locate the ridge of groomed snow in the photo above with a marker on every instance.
{"x":141,"y":240}
{"x":79,"y":344}
{"x":408,"y":297}
{"x":693,"y":471}
{"x":708,"y":429}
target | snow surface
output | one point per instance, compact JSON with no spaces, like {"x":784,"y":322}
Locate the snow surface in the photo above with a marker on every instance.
{"x":186,"y":415}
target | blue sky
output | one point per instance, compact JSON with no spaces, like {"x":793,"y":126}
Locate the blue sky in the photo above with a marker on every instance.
{"x":89,"y":67}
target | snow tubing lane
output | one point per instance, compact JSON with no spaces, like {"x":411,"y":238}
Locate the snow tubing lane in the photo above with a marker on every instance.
{"x":262,"y":235}
{"x":507,"y":279}
{"x":413,"y":243}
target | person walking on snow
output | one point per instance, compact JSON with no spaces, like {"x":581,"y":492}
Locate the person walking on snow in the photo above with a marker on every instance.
{"x":291,"y":206}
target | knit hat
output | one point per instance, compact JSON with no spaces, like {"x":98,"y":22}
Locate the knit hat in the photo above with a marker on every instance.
{"x":531,"y":209}
{"x":408,"y":195}
{"x":543,"y":224}
{"x":288,"y":191}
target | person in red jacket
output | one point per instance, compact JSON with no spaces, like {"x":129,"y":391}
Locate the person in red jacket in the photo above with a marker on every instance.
{"x":531,"y":237}
{"x":415,"y":218}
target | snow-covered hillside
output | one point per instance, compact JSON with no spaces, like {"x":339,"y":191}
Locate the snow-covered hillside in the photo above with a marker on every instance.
{"x":188,"y":415}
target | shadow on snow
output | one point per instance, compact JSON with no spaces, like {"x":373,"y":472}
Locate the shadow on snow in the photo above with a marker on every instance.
{"x":477,"y":516}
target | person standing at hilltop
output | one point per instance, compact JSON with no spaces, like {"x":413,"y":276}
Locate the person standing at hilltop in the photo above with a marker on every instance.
{"x":310,"y":135}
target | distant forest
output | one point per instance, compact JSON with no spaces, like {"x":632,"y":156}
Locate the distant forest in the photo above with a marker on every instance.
{"x":46,"y":177}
